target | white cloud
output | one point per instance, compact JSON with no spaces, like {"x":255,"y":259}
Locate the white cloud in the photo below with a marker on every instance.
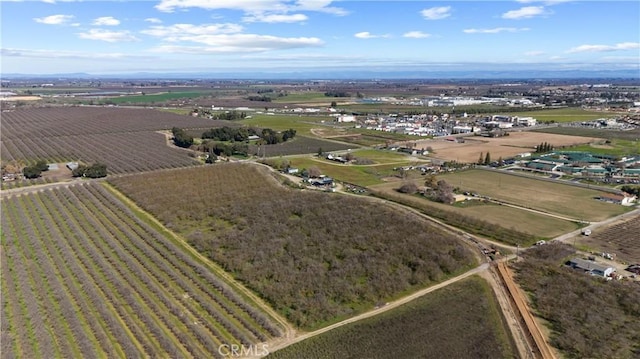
{"x":54,"y":19}
{"x":253,"y":6}
{"x":524,"y":13}
{"x":436,"y":13}
{"x":108,"y":36}
{"x":239,"y":43}
{"x":275,"y":18}
{"x":368,"y":35}
{"x":534,"y":53}
{"x":605,"y":48}
{"x":495,"y":30}
{"x":177,"y":31}
{"x":106,"y":21}
{"x":153,"y":20}
{"x":416,"y":35}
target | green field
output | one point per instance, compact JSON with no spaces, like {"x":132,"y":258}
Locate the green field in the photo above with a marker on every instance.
{"x":629,"y":135}
{"x":618,"y":148}
{"x":568,"y":114}
{"x":365,"y":175}
{"x":462,"y":320}
{"x":156,"y":98}
{"x":556,"y":198}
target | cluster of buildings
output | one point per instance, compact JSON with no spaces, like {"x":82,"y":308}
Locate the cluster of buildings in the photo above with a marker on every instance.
{"x":593,"y":166}
{"x":438,"y":125}
{"x":452,"y":101}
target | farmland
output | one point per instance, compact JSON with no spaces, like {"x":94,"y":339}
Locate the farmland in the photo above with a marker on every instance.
{"x":462,"y":320}
{"x":85,"y":276}
{"x":620,"y":238}
{"x":629,"y":135}
{"x":551,"y":197}
{"x":298,"y":145}
{"x":507,"y":225}
{"x":315,"y":257}
{"x":505,"y":147}
{"x":155,"y":97}
{"x":105,"y":135}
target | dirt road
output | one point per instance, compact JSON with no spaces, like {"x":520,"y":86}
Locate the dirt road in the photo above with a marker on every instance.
{"x":541,"y":347}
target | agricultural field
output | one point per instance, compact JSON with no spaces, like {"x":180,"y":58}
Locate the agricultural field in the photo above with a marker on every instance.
{"x":83,"y":275}
{"x":586,"y":316}
{"x":568,"y":114}
{"x":628,"y":135}
{"x":94,"y":134}
{"x":315,"y":257}
{"x":154,"y":98}
{"x":500,"y":223}
{"x":506,"y":147}
{"x":280,"y":122}
{"x":547,"y":196}
{"x":298,"y":145}
{"x":620,"y":237}
{"x":461,"y":320}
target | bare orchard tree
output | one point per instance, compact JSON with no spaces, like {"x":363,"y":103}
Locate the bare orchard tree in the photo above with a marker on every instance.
{"x":444,"y":192}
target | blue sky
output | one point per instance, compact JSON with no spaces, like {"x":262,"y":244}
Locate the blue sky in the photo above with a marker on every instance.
{"x":103,"y":37}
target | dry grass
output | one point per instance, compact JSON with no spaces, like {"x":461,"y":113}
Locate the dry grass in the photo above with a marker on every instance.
{"x":505,"y":147}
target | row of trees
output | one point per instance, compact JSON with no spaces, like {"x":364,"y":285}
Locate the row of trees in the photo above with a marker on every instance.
{"x":544,"y":147}
{"x":181,"y":138}
{"x":96,"y":170}
{"x":484,"y":159}
{"x":269,"y":136}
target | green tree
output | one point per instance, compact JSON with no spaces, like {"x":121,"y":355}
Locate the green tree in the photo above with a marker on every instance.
{"x":487,"y":159}
{"x":481,"y":158}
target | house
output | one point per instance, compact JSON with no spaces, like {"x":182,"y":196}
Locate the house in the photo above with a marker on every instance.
{"x":593,"y":268}
{"x":346,"y":118}
{"x":72,"y":165}
{"x":292,"y":170}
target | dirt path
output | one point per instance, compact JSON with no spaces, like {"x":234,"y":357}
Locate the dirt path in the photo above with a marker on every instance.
{"x":389,"y":306}
{"x":518,"y":333}
{"x":542,"y":349}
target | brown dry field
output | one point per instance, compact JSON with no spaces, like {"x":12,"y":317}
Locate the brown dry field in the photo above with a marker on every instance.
{"x":505,"y":147}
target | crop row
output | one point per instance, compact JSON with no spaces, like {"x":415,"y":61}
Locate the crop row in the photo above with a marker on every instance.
{"x":116,"y":150}
{"x":88,"y":279}
{"x":65,"y":121}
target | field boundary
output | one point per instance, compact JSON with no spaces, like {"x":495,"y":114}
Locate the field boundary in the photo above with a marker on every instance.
{"x":534,"y":334}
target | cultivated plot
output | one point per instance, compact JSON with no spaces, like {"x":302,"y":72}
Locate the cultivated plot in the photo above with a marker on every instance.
{"x":83,"y":276}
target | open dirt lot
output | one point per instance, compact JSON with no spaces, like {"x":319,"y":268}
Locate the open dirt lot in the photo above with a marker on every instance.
{"x":505,"y":147}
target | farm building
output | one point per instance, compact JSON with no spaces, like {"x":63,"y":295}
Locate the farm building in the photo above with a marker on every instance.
{"x":624,"y":199}
{"x":591,"y":267}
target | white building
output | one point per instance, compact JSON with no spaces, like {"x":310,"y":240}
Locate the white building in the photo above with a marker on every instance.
{"x":526,"y":121}
{"x":346,"y":118}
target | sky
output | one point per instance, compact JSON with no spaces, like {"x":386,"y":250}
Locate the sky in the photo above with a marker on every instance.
{"x":122,"y":36}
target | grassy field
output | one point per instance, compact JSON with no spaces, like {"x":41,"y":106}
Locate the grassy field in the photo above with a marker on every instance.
{"x":485,"y":219}
{"x":569,"y":114}
{"x":615,"y":147}
{"x":630,"y":135}
{"x":556,"y":198}
{"x":156,"y":98}
{"x":361,"y":175}
{"x":279,"y":122}
{"x":462,"y":320}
